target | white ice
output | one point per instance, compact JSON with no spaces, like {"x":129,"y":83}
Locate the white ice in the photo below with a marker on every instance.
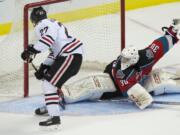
{"x":165,"y":121}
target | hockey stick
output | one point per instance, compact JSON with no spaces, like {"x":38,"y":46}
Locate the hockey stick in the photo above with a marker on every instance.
{"x":166,"y":102}
{"x":129,"y":101}
{"x":34,"y":66}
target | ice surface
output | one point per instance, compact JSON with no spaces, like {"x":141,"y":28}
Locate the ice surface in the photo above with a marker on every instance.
{"x":86,"y":108}
{"x":111,"y":118}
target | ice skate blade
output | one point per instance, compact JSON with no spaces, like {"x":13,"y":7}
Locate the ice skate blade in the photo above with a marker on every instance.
{"x":50,"y":128}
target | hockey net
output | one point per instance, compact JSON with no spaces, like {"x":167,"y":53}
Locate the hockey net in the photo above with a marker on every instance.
{"x":97,"y":24}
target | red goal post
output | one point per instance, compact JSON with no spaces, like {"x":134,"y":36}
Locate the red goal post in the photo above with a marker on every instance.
{"x":48,"y":2}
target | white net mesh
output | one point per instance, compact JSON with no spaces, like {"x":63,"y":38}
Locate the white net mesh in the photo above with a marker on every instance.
{"x":95,"y":23}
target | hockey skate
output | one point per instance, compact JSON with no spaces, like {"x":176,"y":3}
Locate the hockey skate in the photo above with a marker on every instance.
{"x":43,"y":110}
{"x":53,"y":123}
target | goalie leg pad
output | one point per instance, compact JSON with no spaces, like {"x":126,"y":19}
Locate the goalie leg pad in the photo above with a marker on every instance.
{"x":167,"y":89}
{"x":140,"y":96}
{"x":161,"y":82}
{"x":88,"y":88}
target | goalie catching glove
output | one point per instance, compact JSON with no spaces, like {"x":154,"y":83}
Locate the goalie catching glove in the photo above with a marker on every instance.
{"x":39,"y":74}
{"x":173,"y":30}
{"x":27,"y":54}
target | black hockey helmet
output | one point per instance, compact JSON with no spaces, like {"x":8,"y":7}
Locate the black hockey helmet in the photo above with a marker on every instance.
{"x":37,"y":15}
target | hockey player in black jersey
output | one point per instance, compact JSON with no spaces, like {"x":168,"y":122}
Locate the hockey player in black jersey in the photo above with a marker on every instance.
{"x":64,"y":60}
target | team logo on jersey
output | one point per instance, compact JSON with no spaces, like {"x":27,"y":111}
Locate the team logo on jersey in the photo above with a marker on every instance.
{"x":120,"y":74}
{"x":149,"y":54}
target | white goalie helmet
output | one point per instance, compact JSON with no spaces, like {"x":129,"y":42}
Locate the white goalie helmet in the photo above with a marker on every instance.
{"x":129,"y":56}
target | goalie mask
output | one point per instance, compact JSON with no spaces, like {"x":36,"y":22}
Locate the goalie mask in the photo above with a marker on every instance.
{"x":37,"y":15}
{"x":129,"y":56}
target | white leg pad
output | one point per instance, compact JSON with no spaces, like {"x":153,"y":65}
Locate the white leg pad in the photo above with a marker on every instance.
{"x":161,"y":82}
{"x":88,"y":88}
{"x":167,"y":88}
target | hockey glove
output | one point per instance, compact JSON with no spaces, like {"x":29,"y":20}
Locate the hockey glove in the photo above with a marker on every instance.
{"x":39,"y":74}
{"x":27,"y":54}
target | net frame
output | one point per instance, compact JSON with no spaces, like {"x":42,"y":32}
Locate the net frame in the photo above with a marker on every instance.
{"x":48,"y":2}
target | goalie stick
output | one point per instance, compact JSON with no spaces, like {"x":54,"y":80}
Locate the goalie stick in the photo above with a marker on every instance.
{"x":166,"y":102}
{"x":125,"y":100}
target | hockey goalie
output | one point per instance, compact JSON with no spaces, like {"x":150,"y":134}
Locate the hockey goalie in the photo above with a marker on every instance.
{"x":130,"y":75}
{"x":100,"y":86}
